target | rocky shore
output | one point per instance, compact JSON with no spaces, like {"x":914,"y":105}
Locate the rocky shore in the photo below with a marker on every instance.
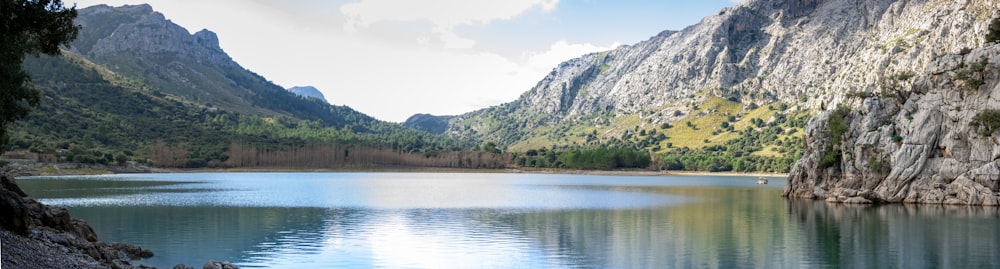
{"x":21,"y":167}
{"x":34,"y":235}
{"x":933,"y":139}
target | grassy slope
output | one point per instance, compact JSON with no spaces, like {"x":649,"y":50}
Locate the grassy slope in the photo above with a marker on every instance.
{"x":706,"y":118}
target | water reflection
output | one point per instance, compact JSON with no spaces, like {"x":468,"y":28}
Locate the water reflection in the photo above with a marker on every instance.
{"x":739,"y":228}
{"x":192,"y":235}
{"x":503,"y":221}
{"x":898,"y":236}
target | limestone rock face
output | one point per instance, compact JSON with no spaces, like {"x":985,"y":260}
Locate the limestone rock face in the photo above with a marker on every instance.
{"x":805,"y":52}
{"x":919,"y":143}
{"x":140,"y":29}
{"x":135,"y":41}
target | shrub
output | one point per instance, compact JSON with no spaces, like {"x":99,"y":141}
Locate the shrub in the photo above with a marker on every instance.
{"x":838,"y":128}
{"x":973,"y":75}
{"x":987,"y":121}
{"x":993,"y":34}
{"x":876,"y":164}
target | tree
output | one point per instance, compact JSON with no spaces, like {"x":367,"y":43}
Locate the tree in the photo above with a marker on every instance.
{"x":28,"y":27}
{"x":491,"y":147}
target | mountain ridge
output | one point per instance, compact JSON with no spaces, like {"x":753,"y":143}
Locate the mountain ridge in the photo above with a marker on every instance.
{"x":805,"y":53}
{"x":137,"y":41}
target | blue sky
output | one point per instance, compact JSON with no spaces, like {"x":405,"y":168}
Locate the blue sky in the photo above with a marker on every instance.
{"x":393,"y":58}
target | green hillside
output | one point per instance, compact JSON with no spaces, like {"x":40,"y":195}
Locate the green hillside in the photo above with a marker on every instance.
{"x":715,"y":134}
{"x":89,"y":114}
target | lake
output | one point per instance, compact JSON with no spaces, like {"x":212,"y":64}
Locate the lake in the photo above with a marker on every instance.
{"x":467,"y":220}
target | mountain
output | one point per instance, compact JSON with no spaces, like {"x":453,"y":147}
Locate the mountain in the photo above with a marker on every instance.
{"x":885,"y":100}
{"x":138,"y":42}
{"x":731,"y":69}
{"x":137,"y":88}
{"x":308,"y":92}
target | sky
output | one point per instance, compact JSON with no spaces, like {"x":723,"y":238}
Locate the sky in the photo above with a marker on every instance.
{"x":395,"y":58}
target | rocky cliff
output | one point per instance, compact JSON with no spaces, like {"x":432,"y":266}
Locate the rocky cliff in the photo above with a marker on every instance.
{"x":142,"y":47}
{"x":803,"y":52}
{"x":139,"y":42}
{"x":927,"y":138}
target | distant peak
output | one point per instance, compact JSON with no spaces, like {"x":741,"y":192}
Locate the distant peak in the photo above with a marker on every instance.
{"x":308,"y":92}
{"x":138,"y":9}
{"x":208,"y":39}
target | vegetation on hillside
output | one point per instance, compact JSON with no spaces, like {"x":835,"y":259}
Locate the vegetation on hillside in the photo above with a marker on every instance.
{"x":90,"y":115}
{"x":986,"y":121}
{"x":585,"y":159}
{"x":715,"y":135}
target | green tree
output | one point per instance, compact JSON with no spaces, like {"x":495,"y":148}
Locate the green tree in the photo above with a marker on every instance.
{"x":491,"y":147}
{"x":28,"y":27}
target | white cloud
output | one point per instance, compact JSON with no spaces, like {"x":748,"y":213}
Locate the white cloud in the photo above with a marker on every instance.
{"x":445,"y":15}
{"x":560,"y":52}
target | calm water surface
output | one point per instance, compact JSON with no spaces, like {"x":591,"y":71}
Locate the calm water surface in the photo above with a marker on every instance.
{"x":439,"y":220}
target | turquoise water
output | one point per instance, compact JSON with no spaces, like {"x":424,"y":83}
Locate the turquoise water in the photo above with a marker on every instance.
{"x":443,"y":220}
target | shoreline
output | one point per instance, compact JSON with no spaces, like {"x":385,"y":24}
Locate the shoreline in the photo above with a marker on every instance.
{"x":69,"y":169}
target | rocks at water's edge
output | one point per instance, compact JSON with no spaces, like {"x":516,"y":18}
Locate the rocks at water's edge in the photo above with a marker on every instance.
{"x":35,"y":235}
{"x":210,"y":264}
{"x":218,"y":265}
{"x":918,"y":142}
{"x":40,"y":236}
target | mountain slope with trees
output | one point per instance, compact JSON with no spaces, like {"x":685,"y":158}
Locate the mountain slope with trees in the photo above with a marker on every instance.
{"x":89,"y":114}
{"x":737,"y":74}
{"x":137,"y":88}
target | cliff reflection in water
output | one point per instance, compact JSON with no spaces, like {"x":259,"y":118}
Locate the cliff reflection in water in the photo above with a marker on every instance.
{"x":751,"y":228}
{"x":898,"y":236}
